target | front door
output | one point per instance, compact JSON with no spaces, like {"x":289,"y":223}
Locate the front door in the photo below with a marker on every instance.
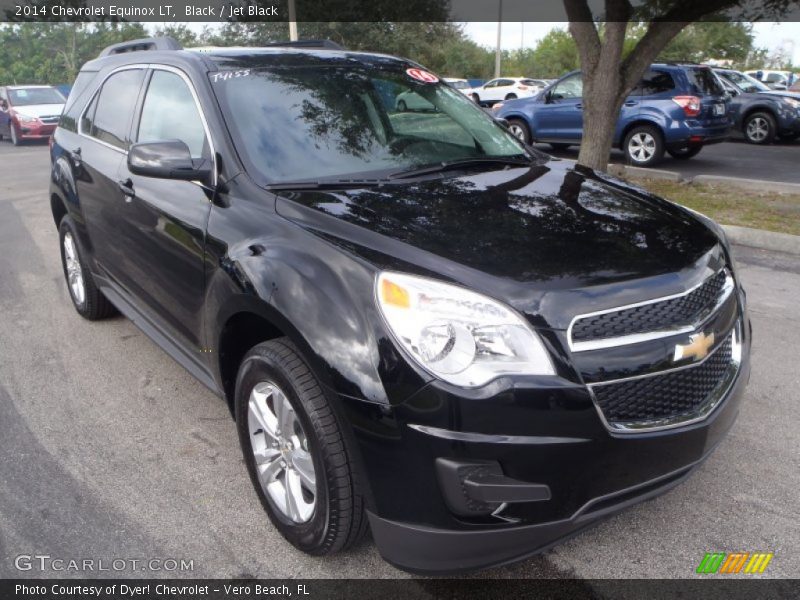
{"x":165,"y":220}
{"x":560,"y":117}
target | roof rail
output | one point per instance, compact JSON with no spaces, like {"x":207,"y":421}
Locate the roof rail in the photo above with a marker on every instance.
{"x":154,"y":43}
{"x":322,"y":44}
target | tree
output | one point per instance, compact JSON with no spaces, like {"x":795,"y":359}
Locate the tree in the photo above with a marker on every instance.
{"x":555,"y":54}
{"x":609,"y":75}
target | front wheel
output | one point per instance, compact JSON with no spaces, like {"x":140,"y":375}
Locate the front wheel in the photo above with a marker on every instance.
{"x":295,"y":451}
{"x":511,"y":97}
{"x":684,"y":153}
{"x":476,"y":98}
{"x":643,"y":146}
{"x":519,"y":129}
{"x":402,"y":106}
{"x":759,"y":128}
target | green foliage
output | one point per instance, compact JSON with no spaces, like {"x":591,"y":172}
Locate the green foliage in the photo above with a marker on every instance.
{"x":554,"y":55}
{"x":53,"y":52}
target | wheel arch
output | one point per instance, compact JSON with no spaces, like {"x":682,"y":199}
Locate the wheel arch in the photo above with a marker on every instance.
{"x":638,"y":123}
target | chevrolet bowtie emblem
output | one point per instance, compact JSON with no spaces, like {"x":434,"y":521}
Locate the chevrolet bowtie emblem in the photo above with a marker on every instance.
{"x":697,"y":348}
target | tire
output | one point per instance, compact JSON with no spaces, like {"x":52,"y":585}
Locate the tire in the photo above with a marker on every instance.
{"x":643,"y":146}
{"x":275,"y":382}
{"x":402,"y":106}
{"x":759,"y":128}
{"x":684,"y":153}
{"x":87,"y":299}
{"x":13,"y":135}
{"x":520,"y":130}
{"x":511,"y":97}
{"x":476,"y":98}
{"x":560,"y":146}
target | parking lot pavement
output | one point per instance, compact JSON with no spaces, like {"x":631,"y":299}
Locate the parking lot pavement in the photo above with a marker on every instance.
{"x":109,"y":449}
{"x":736,"y":158}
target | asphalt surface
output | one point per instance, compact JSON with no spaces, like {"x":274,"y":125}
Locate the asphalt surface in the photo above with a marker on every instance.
{"x":735,"y":158}
{"x":109,"y":449}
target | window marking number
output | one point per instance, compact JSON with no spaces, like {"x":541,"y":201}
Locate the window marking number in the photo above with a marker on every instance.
{"x":228,"y":75}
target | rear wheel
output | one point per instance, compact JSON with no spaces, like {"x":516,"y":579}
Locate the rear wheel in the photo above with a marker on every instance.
{"x":519,"y":129}
{"x":476,"y":98}
{"x":759,"y":128}
{"x":643,"y":146}
{"x":88,"y":300}
{"x":685,"y":153}
{"x":511,"y":96}
{"x":295,"y":451}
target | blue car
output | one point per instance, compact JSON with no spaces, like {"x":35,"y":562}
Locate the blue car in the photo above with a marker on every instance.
{"x":677,"y":108}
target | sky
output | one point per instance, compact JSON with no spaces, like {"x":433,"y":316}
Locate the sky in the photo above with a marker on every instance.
{"x":514,"y":35}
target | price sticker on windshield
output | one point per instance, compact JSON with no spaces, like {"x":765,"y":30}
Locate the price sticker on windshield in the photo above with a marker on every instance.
{"x":421,"y":75}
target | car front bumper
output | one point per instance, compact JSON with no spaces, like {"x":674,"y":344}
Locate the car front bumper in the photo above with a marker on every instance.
{"x":35,"y":131}
{"x":586,"y":471}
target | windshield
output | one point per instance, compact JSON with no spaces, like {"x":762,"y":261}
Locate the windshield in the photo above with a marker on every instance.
{"x":332,"y":121}
{"x":745,"y":82}
{"x":31,"y":96}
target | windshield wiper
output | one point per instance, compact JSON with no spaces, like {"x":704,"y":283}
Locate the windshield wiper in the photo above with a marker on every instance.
{"x":325,"y":184}
{"x":452,"y":165}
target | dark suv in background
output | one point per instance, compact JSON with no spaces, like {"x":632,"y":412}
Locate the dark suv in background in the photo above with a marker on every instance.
{"x":760,"y":113}
{"x":677,"y":108}
{"x":418,"y":322}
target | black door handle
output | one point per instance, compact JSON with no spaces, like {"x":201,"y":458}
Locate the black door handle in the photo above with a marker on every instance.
{"x":126,"y":187}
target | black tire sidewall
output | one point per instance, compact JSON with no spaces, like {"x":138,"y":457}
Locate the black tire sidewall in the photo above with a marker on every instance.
{"x":657,"y":155}
{"x":308,"y":536}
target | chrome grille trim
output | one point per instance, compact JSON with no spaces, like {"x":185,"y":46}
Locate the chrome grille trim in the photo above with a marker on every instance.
{"x":703,"y":411}
{"x":681,"y":328}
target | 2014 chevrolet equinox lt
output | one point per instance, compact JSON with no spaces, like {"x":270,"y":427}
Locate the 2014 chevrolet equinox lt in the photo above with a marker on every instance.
{"x":419,"y":323}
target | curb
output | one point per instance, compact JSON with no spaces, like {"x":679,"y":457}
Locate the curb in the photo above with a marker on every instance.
{"x":749,"y":184}
{"x":764,"y":240}
{"x":623,"y":170}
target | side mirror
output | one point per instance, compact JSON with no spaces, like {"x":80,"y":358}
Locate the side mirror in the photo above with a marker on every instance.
{"x":166,"y":160}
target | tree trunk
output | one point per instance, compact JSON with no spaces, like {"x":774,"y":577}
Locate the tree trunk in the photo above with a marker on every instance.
{"x":602,"y":102}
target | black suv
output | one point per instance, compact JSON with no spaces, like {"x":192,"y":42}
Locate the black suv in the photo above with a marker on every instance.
{"x":419,"y":323}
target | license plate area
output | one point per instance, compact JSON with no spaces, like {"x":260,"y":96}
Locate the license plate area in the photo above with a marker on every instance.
{"x":718,"y":110}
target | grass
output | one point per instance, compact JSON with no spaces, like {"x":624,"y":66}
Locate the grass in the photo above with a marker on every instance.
{"x":733,"y":206}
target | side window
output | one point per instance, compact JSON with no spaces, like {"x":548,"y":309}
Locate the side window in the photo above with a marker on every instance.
{"x":114,"y":110}
{"x":657,"y":82}
{"x":492,"y":83}
{"x":88,"y":116}
{"x":571,"y":87}
{"x":170,"y":113}
{"x":505,"y":83}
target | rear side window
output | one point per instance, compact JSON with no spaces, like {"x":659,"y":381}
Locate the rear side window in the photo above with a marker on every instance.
{"x":170,"y":113}
{"x":704,"y":82}
{"x":73,"y":106}
{"x":114,"y":110}
{"x":657,"y":82}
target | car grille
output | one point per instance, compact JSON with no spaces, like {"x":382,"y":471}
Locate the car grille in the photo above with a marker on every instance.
{"x":672,"y":397}
{"x":654,"y":316}
{"x":50,"y":120}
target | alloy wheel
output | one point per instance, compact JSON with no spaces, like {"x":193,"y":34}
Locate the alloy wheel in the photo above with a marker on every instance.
{"x":642,"y":147}
{"x":517,"y":131}
{"x":77,"y":286}
{"x":758,"y":129}
{"x":280,"y":446}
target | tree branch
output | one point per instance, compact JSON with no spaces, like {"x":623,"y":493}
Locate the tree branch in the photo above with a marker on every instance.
{"x":658,"y":35}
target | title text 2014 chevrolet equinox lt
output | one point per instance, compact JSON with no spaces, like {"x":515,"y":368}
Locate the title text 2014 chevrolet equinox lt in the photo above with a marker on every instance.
{"x":419,"y":323}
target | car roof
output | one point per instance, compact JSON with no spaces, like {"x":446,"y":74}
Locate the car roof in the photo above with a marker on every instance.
{"x":27,"y":87}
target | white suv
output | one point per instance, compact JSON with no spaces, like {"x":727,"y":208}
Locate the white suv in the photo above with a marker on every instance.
{"x":505,"y":88}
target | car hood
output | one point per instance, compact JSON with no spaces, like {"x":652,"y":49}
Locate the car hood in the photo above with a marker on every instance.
{"x":549,"y":227}
{"x":39,"y":110}
{"x":783,"y":93}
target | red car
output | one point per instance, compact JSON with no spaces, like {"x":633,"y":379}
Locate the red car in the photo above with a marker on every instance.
{"x":29,"y":112}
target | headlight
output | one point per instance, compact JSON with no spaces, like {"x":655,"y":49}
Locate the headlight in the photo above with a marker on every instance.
{"x":26,"y":118}
{"x":459,"y":336}
{"x":792,"y":102}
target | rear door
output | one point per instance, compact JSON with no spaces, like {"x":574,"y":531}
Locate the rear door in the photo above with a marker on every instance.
{"x":163,"y":221}
{"x":97,"y":152}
